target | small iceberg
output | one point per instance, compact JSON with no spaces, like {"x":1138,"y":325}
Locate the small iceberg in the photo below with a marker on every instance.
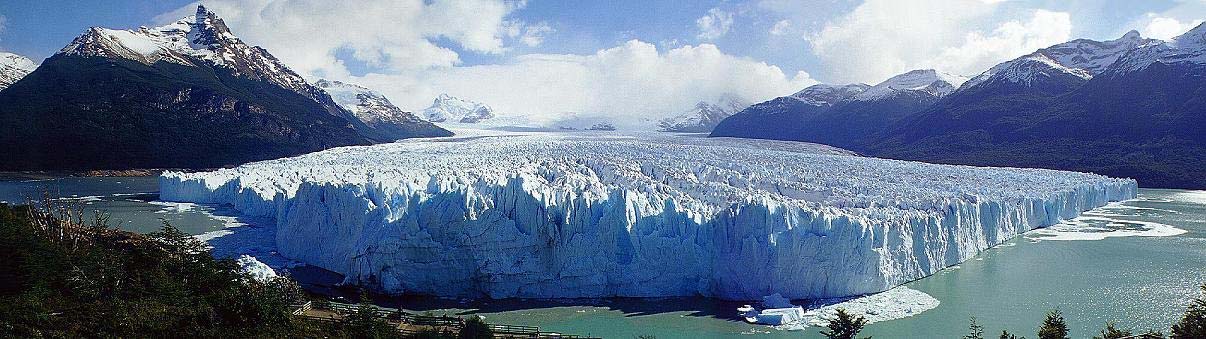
{"x":776,"y":311}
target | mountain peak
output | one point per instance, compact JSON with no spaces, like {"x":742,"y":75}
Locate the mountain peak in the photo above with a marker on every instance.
{"x":202,"y":38}
{"x":447,"y":108}
{"x":927,"y":81}
{"x":828,"y":95}
{"x":14,"y":67}
{"x":705,"y":115}
{"x":1194,"y":37}
{"x":1080,"y":58}
{"x":368,"y":106}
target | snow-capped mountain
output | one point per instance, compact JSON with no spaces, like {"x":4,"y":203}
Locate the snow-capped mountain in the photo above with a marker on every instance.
{"x":841,"y":115}
{"x":447,"y":108}
{"x":926,"y":82}
{"x":1077,"y":59}
{"x":202,"y":37}
{"x":1187,"y":49}
{"x":14,"y":67}
{"x":828,"y":95}
{"x":188,"y":94}
{"x":704,"y":116}
{"x":370,"y":107}
{"x":1127,"y":107}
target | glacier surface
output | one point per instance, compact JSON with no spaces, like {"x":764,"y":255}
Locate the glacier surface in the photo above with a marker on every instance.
{"x":590,"y":214}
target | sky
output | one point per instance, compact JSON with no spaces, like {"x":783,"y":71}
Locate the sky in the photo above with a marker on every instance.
{"x":619,"y":58}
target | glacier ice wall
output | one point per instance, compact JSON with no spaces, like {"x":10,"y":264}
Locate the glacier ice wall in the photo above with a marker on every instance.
{"x":586,"y":215}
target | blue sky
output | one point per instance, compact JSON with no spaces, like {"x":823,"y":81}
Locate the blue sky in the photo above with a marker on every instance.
{"x":533,"y":56}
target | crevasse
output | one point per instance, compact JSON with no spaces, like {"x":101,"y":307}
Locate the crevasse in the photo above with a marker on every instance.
{"x":552,"y":215}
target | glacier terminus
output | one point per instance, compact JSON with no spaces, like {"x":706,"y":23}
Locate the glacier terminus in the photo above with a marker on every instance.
{"x":594,"y":214}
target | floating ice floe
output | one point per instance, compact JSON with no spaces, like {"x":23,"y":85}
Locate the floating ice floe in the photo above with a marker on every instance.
{"x":1098,"y":227}
{"x":896,"y":303}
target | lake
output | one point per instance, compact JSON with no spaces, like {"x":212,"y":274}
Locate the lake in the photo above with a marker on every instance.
{"x":1137,"y":263}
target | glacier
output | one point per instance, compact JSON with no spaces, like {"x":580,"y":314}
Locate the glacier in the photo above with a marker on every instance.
{"x":592,"y":214}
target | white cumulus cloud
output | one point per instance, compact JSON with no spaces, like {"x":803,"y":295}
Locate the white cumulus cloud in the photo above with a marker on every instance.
{"x":714,"y":25}
{"x":1160,"y":27}
{"x":781,"y":27}
{"x":881,"y":38}
{"x":979,"y":51}
{"x":631,"y":84}
{"x":391,"y":34}
{"x":628,"y":84}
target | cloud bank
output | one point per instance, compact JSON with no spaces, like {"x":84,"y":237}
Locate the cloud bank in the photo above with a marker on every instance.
{"x":881,"y":38}
{"x":415,"y":48}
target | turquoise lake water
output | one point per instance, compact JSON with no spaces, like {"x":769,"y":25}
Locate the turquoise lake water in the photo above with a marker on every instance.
{"x":1132,"y":277}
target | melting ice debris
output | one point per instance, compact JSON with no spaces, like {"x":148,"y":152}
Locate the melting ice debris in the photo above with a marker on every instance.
{"x":592,"y":215}
{"x":258,"y":270}
{"x":776,"y":311}
{"x":1110,"y":221}
{"x":897,"y":303}
{"x":1099,"y":228}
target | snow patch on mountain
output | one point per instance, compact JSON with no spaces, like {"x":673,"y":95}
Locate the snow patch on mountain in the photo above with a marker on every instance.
{"x":704,"y":116}
{"x":591,"y":214}
{"x":366,"y":105}
{"x":1188,"y":48}
{"x":824,"y":95}
{"x":447,"y":108}
{"x":14,"y":67}
{"x":1082,"y":58}
{"x":923,"y":81}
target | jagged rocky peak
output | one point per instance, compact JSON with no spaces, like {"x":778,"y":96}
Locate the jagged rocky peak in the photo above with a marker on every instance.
{"x":1186,"y":49}
{"x":447,"y":108}
{"x":828,"y":95}
{"x":199,"y":38}
{"x":1194,"y":38}
{"x":367,"y":105}
{"x":14,"y":67}
{"x":705,"y":115}
{"x":1081,"y":58}
{"x":923,"y":81}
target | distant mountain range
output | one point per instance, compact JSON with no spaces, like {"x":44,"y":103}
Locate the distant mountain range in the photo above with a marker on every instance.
{"x":14,"y":67}
{"x":186,"y":95}
{"x":841,"y":115}
{"x":704,"y":116}
{"x":447,"y":108}
{"x":1130,"y":107}
{"x":376,"y":111}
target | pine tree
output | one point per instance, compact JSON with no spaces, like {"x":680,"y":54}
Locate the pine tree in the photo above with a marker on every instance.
{"x":1006,"y":335}
{"x":845,"y":326}
{"x":1054,"y":326}
{"x":1193,"y":323}
{"x":976,"y":331}
{"x":475,"y":328}
{"x":1111,"y":332}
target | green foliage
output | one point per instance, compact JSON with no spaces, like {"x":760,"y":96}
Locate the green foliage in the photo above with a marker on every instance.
{"x":975,"y":331}
{"x":475,"y":328}
{"x":1053,"y":326}
{"x":69,"y":279}
{"x":1193,"y":323}
{"x":1112,"y":332}
{"x":845,"y":326}
{"x":364,"y":323}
